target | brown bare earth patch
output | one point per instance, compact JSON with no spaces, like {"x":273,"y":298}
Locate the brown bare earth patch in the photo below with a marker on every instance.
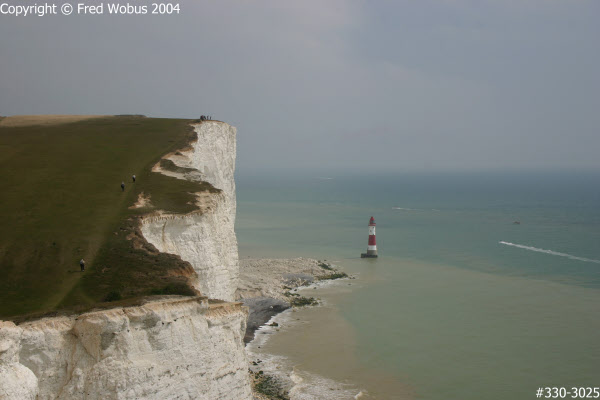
{"x":206,"y":201}
{"x":44,"y":120}
{"x":186,"y":271}
{"x":142,"y":201}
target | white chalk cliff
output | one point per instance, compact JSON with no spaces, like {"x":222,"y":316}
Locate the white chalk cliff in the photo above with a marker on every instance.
{"x":206,"y":239}
{"x":180,"y":348}
{"x":170,"y":348}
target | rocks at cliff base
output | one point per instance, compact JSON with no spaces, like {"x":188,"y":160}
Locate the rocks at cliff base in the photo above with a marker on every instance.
{"x":298,"y":279}
{"x":261,"y":309}
{"x":266,"y":286}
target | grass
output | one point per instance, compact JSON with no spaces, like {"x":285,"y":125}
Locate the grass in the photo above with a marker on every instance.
{"x":61,"y":201}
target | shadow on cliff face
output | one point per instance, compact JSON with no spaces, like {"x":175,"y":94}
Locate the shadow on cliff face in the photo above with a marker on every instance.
{"x":128,"y":266}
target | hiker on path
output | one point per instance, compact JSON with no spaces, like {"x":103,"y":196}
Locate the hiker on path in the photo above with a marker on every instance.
{"x":133,"y":177}
{"x":82,"y":264}
{"x":122,"y":186}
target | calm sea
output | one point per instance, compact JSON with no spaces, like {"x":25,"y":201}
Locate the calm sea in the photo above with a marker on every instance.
{"x":463,"y":302}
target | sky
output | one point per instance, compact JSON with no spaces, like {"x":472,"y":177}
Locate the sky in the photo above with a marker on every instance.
{"x":398,"y":86}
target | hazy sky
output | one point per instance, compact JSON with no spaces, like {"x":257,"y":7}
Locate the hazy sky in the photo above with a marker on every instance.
{"x":396,"y":85}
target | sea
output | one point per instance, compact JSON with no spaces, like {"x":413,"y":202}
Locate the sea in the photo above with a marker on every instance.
{"x":487,"y":285}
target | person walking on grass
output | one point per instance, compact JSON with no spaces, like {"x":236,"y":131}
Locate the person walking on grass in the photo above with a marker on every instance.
{"x":122,"y":186}
{"x":82,"y":264}
{"x":133,"y":177}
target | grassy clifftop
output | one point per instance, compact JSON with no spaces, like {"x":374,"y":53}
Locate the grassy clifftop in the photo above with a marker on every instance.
{"x":62,"y":201}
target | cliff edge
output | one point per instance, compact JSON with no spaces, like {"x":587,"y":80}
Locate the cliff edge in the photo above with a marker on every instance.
{"x":168,"y":348}
{"x":206,"y":238}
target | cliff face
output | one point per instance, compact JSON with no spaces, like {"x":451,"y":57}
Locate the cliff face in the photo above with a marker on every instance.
{"x":170,"y":349}
{"x":205,"y":239}
{"x":174,"y":348}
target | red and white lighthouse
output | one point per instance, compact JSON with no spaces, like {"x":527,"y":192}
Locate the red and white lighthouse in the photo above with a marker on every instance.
{"x":372,"y":246}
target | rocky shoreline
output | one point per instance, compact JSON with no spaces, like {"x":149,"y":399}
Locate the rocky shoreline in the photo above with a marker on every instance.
{"x":268,"y":287}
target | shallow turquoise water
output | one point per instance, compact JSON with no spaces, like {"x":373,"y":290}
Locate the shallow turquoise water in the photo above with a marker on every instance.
{"x":447,"y":309}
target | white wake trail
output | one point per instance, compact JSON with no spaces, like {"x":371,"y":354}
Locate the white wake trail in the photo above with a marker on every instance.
{"x":554,"y":253}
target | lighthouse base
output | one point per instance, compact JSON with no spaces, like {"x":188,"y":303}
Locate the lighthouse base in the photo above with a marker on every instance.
{"x":367,"y":255}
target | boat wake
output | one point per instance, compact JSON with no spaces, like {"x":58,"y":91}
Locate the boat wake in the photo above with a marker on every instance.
{"x":414,"y":209}
{"x":551,"y":252}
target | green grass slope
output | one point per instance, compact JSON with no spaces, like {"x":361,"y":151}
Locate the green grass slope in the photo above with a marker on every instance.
{"x":61,"y":201}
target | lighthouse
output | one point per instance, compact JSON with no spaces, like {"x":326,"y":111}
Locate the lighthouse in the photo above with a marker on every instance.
{"x":372,"y":246}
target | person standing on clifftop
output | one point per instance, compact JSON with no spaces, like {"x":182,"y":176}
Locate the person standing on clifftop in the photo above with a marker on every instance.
{"x":122,"y":186}
{"x":82,"y":264}
{"x":133,"y":178}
